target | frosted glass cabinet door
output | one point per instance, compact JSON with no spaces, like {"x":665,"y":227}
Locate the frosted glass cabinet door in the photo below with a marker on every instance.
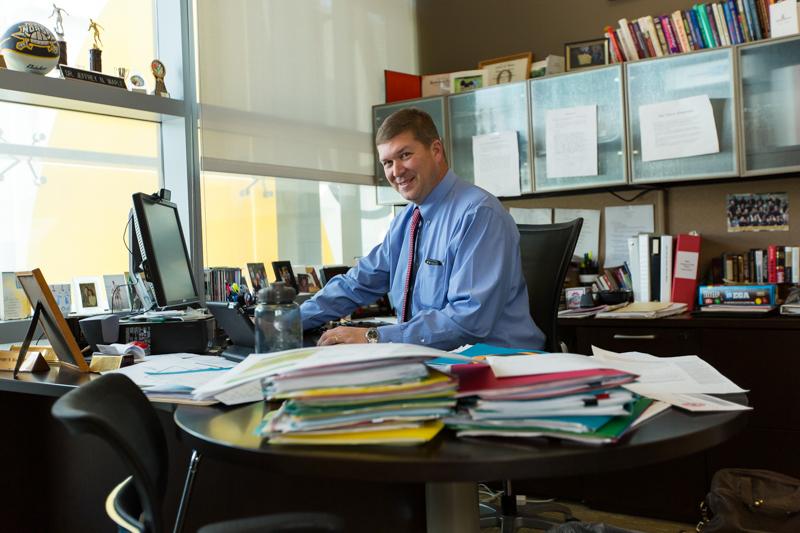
{"x":600,"y":87}
{"x":434,"y":106}
{"x":496,"y":109}
{"x":666,"y":80}
{"x":770,"y":89}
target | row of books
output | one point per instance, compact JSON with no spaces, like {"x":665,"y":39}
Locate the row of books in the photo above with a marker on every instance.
{"x":774,"y":264}
{"x":664,"y":268}
{"x":218,"y":282}
{"x":702,"y":26}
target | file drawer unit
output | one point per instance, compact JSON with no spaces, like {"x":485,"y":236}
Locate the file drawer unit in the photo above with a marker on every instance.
{"x":495,"y":109}
{"x":769,"y":84}
{"x":435,"y":106}
{"x":700,"y":73}
{"x":601,"y":87}
{"x":757,"y":354}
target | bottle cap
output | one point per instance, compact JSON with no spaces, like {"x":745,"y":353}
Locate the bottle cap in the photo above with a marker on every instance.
{"x":277,"y":293}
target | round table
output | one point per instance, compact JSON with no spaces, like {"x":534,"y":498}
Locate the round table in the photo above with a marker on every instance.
{"x":450,"y":467}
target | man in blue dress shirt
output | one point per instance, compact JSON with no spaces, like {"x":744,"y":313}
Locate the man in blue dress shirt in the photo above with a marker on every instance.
{"x":465,"y":285}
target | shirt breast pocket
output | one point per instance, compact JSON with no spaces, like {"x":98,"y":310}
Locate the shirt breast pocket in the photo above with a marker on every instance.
{"x":432,"y":278}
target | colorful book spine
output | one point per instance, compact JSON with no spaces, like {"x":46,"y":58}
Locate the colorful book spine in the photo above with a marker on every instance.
{"x":688,"y":30}
{"x":708,"y":37}
{"x":736,"y":294}
{"x":737,"y":26}
{"x":772,"y":263}
{"x":627,"y":40}
{"x":752,"y":19}
{"x":694,"y":23}
{"x":685,"y":269}
{"x":763,"y":15}
{"x":719,"y":20}
{"x":667,"y":27}
{"x":712,"y":24}
{"x":743,"y":21}
{"x":677,"y":24}
{"x":638,"y":40}
{"x":726,"y":10}
{"x":662,"y":40}
{"x":616,"y":50}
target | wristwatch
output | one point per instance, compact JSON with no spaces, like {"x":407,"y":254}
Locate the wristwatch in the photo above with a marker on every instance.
{"x":372,"y":335}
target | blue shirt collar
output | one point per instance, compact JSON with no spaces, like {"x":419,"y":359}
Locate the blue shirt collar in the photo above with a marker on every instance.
{"x":432,"y":202}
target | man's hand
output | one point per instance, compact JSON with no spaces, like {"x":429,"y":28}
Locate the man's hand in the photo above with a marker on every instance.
{"x":343,"y":335}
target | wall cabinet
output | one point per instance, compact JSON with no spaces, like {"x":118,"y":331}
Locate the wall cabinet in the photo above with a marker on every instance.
{"x":753,"y":90}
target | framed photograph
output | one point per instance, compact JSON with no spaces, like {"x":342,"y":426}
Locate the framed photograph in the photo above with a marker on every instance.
{"x":314,"y":285}
{"x":51,"y":319}
{"x":585,"y":54}
{"x":89,"y":295}
{"x":62,"y":292}
{"x":758,"y":212}
{"x":283,"y":272}
{"x":117,"y":292}
{"x":506,"y":69}
{"x":467,"y":80}
{"x":258,"y":276}
{"x":302,"y":282}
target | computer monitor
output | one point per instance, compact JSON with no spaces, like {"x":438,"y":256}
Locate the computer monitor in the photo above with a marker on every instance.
{"x":159,"y":250}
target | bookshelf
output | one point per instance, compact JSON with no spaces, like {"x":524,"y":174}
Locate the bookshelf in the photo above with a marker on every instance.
{"x":750,"y":86}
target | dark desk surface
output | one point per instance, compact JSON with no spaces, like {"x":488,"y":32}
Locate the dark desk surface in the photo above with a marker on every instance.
{"x":686,"y":320}
{"x":229,"y":434}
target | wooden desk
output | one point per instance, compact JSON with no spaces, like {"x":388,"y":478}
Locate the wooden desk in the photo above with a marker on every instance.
{"x":449,"y":467}
{"x":758,"y":354}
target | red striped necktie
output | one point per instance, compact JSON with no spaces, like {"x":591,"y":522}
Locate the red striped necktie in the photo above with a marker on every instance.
{"x":412,"y":239}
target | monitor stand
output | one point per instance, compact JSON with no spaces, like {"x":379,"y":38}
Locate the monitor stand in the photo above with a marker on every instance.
{"x":237,"y":353}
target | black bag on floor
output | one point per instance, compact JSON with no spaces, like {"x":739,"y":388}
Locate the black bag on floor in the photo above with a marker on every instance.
{"x":742,"y":500}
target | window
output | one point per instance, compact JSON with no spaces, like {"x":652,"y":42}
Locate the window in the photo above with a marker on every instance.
{"x":257,"y":219}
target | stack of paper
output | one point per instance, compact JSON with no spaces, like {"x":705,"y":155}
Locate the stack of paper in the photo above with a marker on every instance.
{"x":564,"y":396}
{"x":349,"y":394}
{"x":645,"y":310}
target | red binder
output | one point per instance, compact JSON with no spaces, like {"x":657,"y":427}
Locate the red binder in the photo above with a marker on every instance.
{"x":685,"y":269}
{"x":402,"y":86}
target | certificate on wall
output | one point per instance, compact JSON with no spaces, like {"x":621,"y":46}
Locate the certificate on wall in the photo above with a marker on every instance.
{"x":678,"y":128}
{"x":589,"y":239}
{"x":571,"y":141}
{"x":496,"y":162}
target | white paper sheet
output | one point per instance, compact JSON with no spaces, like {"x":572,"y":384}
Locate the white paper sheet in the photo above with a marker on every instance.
{"x":784,"y":18}
{"x":172,"y":372}
{"x":528,"y":365}
{"x":522,"y":215}
{"x":496,"y":162}
{"x":682,"y":374}
{"x":571,"y":141}
{"x":698,"y":402}
{"x":589,"y":240}
{"x":678,"y":128}
{"x":621,"y":223}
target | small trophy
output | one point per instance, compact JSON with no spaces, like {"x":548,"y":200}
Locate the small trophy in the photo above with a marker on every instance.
{"x":138,"y":85}
{"x":95,"y":62}
{"x":159,"y":72}
{"x":59,"y":29}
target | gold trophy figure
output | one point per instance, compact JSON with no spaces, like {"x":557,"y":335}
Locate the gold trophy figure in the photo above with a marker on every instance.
{"x":95,"y":62}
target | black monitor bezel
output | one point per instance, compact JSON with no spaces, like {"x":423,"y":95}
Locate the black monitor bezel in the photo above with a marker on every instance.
{"x":151,"y":266}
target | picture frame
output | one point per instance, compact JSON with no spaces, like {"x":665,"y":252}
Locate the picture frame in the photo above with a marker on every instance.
{"x":283,"y":272}
{"x":52,"y":320}
{"x":62,"y":292}
{"x":507,"y":69}
{"x":117,"y":292}
{"x":467,"y":80}
{"x":585,"y":54}
{"x":258,"y":276}
{"x":89,"y":295}
{"x":314,"y":285}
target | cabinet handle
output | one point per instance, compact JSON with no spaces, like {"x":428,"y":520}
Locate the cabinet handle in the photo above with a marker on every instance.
{"x":619,"y":336}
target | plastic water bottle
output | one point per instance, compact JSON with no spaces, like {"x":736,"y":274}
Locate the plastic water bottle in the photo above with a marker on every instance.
{"x":277,"y":319}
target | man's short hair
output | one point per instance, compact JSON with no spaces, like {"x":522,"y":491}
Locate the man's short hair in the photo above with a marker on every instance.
{"x":412,"y":119}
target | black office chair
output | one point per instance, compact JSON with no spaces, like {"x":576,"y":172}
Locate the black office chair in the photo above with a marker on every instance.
{"x":113,"y":408}
{"x":546,"y":251}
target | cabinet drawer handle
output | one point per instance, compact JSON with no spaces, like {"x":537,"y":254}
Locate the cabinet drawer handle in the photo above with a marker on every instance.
{"x":619,"y":336}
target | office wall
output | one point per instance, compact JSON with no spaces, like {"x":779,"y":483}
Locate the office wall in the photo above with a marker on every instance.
{"x":456,"y":34}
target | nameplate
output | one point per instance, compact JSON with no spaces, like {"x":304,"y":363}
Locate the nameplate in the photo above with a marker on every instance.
{"x":72,"y":73}
{"x":34,"y":362}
